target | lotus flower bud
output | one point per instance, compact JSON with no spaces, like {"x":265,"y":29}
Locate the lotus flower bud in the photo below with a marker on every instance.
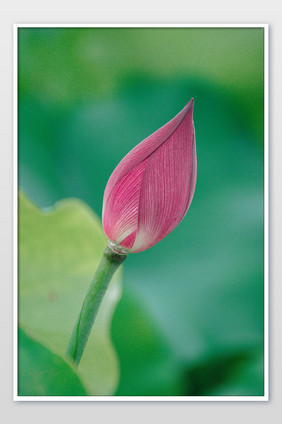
{"x":151,"y":189}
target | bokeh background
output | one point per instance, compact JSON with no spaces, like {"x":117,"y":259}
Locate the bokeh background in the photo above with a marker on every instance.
{"x":191,"y":317}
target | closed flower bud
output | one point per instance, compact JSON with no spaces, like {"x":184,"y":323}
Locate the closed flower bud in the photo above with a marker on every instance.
{"x":151,"y":189}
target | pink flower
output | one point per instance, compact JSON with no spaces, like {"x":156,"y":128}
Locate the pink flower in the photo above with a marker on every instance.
{"x":151,"y":189}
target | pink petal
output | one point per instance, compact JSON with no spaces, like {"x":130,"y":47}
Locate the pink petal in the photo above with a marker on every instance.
{"x":151,"y":189}
{"x":120,"y":216}
{"x":167,"y":188}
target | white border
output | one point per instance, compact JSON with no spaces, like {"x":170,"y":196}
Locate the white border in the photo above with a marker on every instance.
{"x":266,"y":212}
{"x":265,"y":397}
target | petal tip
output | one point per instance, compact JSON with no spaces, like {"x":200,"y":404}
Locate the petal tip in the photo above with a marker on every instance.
{"x":190,"y":104}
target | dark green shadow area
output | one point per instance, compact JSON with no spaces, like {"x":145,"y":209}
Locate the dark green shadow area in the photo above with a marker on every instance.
{"x":42,"y":373}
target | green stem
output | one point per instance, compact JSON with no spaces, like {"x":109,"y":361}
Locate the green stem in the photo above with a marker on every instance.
{"x":108,"y":265}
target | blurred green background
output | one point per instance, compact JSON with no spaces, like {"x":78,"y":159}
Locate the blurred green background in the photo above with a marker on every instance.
{"x":191,"y":317}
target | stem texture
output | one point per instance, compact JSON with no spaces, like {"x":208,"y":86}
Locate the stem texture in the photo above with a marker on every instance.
{"x":106,"y":269}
